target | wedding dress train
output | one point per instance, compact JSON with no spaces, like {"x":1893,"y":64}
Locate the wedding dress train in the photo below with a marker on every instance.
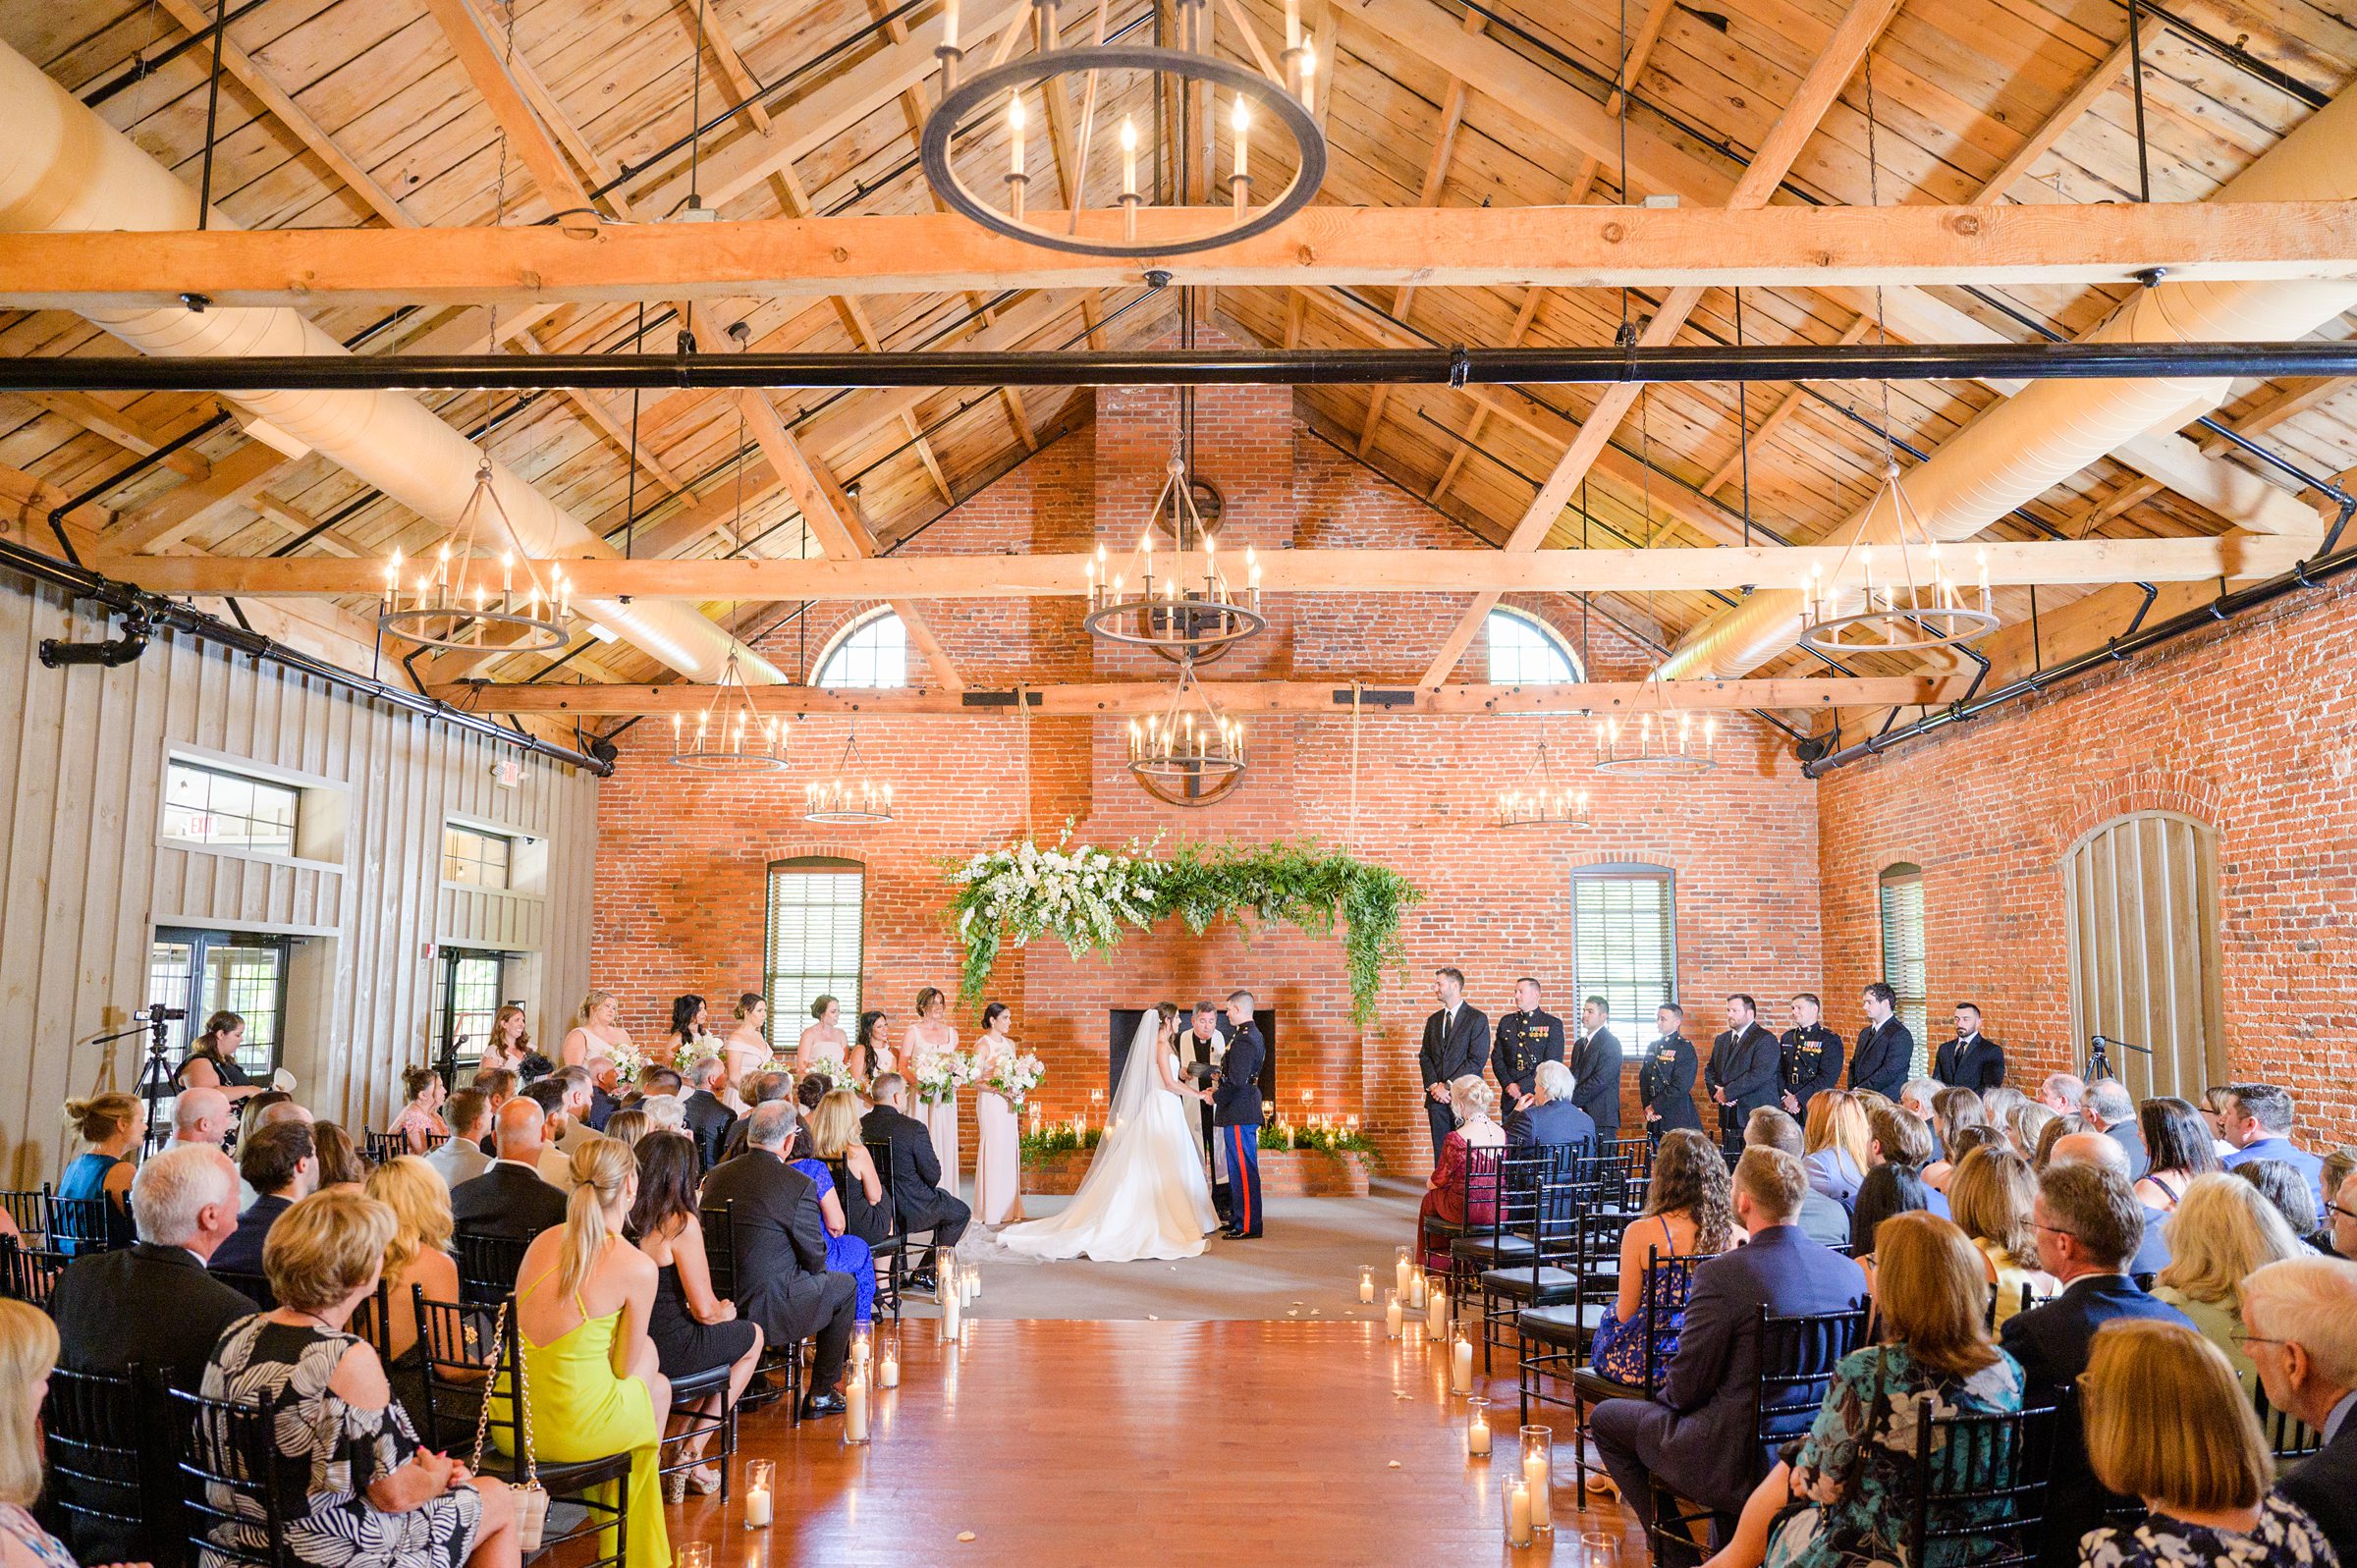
{"x":1145,"y":1194}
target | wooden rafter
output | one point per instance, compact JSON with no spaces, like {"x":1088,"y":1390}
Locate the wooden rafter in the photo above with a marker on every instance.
{"x":481,"y":59}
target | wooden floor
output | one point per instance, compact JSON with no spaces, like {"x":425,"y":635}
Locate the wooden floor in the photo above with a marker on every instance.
{"x":1170,"y":1444}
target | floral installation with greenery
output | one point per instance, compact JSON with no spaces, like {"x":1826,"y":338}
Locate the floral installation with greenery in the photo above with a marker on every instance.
{"x":1085,"y":896}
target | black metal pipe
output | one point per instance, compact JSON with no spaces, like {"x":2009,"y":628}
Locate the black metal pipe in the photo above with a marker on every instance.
{"x":2225,"y":607}
{"x":142,"y":67}
{"x":141,"y":609}
{"x":1593,"y":366}
{"x":122,"y":476}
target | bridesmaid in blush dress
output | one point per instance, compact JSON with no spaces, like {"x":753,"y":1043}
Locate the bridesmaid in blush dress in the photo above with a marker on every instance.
{"x":930,"y":1039}
{"x":998,"y":1153}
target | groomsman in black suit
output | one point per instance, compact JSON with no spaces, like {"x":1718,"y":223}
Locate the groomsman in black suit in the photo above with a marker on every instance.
{"x":1741,"y":1071}
{"x":1596,"y":1066}
{"x":1235,"y":1110}
{"x":1525,"y":1038}
{"x":1886,"y":1052}
{"x":1972,"y":1060}
{"x":1457,"y":1045}
{"x":1810,"y":1061}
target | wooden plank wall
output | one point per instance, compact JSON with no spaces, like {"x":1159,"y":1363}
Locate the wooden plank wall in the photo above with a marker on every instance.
{"x":2141,"y":893}
{"x":85,"y":878}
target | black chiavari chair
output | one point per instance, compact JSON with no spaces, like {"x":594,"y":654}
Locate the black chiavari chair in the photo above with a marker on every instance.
{"x":720,"y":1256}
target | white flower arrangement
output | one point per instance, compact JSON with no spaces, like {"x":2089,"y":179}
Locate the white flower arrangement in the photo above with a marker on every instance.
{"x":704,"y":1046}
{"x":1017,"y":1078}
{"x":1080,"y":894}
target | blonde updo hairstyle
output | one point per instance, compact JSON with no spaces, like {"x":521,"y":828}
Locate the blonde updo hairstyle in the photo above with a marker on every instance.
{"x":102,"y":1116}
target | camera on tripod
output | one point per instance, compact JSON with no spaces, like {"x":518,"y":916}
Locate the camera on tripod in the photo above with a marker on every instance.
{"x":159,"y":1014}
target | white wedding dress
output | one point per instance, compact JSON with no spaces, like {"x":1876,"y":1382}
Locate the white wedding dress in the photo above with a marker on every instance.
{"x":1145,"y":1194}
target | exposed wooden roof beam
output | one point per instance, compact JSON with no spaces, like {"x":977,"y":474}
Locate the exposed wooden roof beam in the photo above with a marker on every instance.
{"x":481,"y":59}
{"x":120,"y":426}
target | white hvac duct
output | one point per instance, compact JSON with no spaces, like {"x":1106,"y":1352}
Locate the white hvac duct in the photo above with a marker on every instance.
{"x":62,"y":168}
{"x":2017,"y":450}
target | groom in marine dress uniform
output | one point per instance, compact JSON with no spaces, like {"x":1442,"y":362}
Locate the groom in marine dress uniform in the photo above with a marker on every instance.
{"x":1235,"y":1112}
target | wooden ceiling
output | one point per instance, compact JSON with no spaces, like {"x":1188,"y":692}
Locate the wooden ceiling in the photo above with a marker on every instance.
{"x":434,"y":114}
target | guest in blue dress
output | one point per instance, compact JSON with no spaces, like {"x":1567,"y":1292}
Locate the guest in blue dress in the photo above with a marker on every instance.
{"x":847,"y":1253}
{"x":1853,"y":1474}
{"x":2143,"y":1376}
{"x":112,"y":1124}
{"x":1835,"y":1139}
{"x":1688,"y":1213}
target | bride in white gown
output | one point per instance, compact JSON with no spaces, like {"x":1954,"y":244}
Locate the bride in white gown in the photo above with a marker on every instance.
{"x":1145,"y":1194}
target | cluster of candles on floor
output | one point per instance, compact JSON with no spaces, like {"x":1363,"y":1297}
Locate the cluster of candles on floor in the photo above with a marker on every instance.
{"x":1526,"y":1496}
{"x":960,"y":1288}
{"x":871,"y":1367}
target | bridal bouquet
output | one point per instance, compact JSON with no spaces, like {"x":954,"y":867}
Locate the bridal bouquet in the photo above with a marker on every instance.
{"x":1017,"y":1078}
{"x":939,"y":1075}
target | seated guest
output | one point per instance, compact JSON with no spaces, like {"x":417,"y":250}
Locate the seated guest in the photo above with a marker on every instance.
{"x":916,"y":1192}
{"x":2301,"y":1318}
{"x":2089,"y":1225}
{"x":2222,"y":1230}
{"x":692,"y":1329}
{"x":1551,"y":1119}
{"x":1952,"y":1111}
{"x":2094,"y":1149}
{"x":762,"y":1088}
{"x":281,"y":1167}
{"x":2112,"y":1111}
{"x":359,"y":1486}
{"x":1857,"y":1463}
{"x":421,"y":1119}
{"x":847,"y":1253}
{"x":462,"y":1157}
{"x":1888,"y":1191}
{"x":1688,"y":1213}
{"x":2028,"y":1130}
{"x":605,"y":1092}
{"x":1916,"y":1098}
{"x":2053,"y":1133}
{"x":1696,"y":1433}
{"x":185,"y":1203}
{"x":1896,"y":1142}
{"x":257,"y":1112}
{"x":628,"y":1127}
{"x":417,"y":1255}
{"x":2215,"y":1100}
{"x":509,"y":1199}
{"x":27,"y":1355}
{"x":1963,"y":1141}
{"x":579,"y":1096}
{"x":592,"y":1385}
{"x":2177,"y":1148}
{"x":2257,"y":1121}
{"x":2166,"y":1422}
{"x":112,"y":1124}
{"x":2334,"y":1169}
{"x":2063,"y":1093}
{"x":2341,"y":1227}
{"x":340,"y":1162}
{"x":708,"y":1120}
{"x":200,"y":1116}
{"x":498,"y":1086}
{"x":1837,"y":1137}
{"x":1991,"y":1196}
{"x":2000,"y":1104}
{"x":834,"y":1129}
{"x":783,"y":1282}
{"x":1451,"y":1196}
{"x":1822,"y":1220}
{"x":662,"y":1113}
{"x":2281,"y":1186}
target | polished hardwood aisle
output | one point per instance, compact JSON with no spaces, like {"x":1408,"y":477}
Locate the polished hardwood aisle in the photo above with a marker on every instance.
{"x":1060,"y":1444}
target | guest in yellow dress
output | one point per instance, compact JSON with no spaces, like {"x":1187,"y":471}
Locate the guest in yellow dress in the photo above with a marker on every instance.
{"x":591,"y":1382}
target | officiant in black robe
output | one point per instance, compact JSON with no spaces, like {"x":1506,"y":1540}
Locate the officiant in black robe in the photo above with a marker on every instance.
{"x":1200,"y":1050}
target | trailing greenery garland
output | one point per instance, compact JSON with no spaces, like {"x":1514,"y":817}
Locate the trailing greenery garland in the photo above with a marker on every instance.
{"x":1085,"y":896}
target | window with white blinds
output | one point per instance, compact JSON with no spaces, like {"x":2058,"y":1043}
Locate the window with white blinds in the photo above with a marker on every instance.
{"x":1903,"y":953}
{"x":814,"y":948}
{"x":2141,"y":895}
{"x":1624,"y":940}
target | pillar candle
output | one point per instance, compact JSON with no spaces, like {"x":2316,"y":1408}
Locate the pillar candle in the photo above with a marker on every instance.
{"x":1400,"y":1269}
{"x":1461,"y":1365}
{"x":855,"y":1408}
{"x":1477,"y":1435}
{"x":1517,"y":1515}
{"x":1538,"y":1476}
{"x":888,"y":1367}
{"x":1416,"y":1289}
{"x":1393,"y":1318}
{"x":756,"y":1508}
{"x":1436,"y":1316}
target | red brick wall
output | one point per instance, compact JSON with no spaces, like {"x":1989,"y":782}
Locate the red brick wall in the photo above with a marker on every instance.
{"x":2248,"y":727}
{"x":682,"y":866}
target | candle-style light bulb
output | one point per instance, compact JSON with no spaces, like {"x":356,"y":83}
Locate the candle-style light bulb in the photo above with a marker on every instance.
{"x":1014,"y":130}
{"x":1240,"y":121}
{"x":949,"y":25}
{"x":1129,"y":157}
{"x":1309,"y":74}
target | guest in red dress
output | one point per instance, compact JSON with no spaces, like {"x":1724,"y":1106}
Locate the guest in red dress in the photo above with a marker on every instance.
{"x":1458,"y":1195}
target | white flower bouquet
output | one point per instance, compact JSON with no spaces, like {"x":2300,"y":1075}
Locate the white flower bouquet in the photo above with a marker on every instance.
{"x":837,"y":1074}
{"x":704,"y":1046}
{"x":1017,"y":1078}
{"x":940,"y":1072}
{"x":629,"y":1062}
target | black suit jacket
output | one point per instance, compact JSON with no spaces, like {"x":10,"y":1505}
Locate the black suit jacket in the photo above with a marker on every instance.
{"x":709,"y":1123}
{"x":1885,"y":1056}
{"x":1596,"y":1065}
{"x":508,"y":1200}
{"x":2051,"y":1342}
{"x":779,"y":1234}
{"x":1452,"y":1053}
{"x":241,"y":1249}
{"x":147,"y":1306}
{"x":1743,"y":1062}
{"x":1979,"y":1067}
{"x":602,"y":1107}
{"x":1235,"y":1098}
{"x":2326,"y":1484}
{"x":2130,"y":1139}
{"x":915,"y":1166}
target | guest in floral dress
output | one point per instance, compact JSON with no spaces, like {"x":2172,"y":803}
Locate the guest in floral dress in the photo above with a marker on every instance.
{"x":27,"y":1355}
{"x":2166,"y":1420}
{"x":420,"y":1123}
{"x":1855,"y":1464}
{"x":1688,"y":1213}
{"x":360,"y":1490}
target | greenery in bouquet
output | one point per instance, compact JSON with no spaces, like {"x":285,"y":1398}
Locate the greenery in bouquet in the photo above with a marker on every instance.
{"x":629,"y":1062}
{"x":940,"y":1073}
{"x":703,"y":1048}
{"x":835,"y":1073}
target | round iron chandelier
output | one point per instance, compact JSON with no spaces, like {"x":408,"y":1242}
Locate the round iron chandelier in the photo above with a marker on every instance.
{"x":462,"y":597}
{"x":1191,"y":754}
{"x":1282,"y":92}
{"x":1909,"y":610}
{"x":731,"y":736}
{"x":850,"y":794}
{"x":1181,"y":614}
{"x":1657,"y":742}
{"x":1537,"y":800}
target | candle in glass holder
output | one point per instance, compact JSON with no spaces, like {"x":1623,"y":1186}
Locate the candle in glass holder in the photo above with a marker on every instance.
{"x":1517,"y":1512}
{"x":1417,"y":1288}
{"x":695,"y":1554}
{"x":854,"y":1407}
{"x":1538,"y":1472}
{"x":1402,"y":1263}
{"x":757,"y":1476}
{"x":1393,"y":1318}
{"x":1366,"y":1282}
{"x":1436,"y":1316}
{"x":953,"y":1314}
{"x":888,"y":1367}
{"x":862,"y":1346}
{"x":1477,"y":1429}
{"x":1460,"y":1364}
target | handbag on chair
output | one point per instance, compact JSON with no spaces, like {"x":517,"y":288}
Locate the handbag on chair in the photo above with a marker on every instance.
{"x":531,"y":1500}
